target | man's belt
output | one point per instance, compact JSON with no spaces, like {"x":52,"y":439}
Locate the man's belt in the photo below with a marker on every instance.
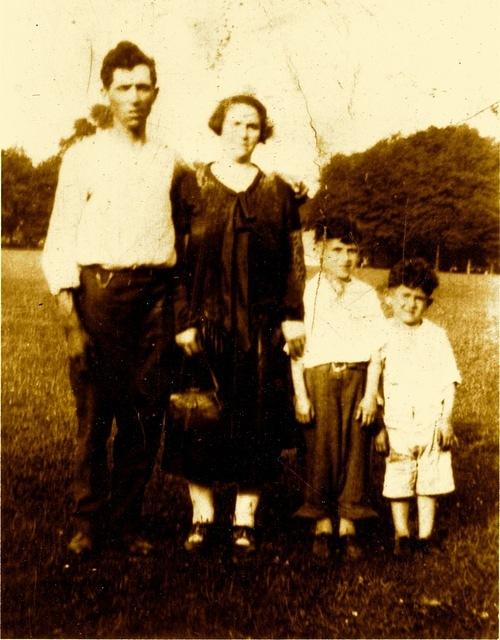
{"x":104,"y":274}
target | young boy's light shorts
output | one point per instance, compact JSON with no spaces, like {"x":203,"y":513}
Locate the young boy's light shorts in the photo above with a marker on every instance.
{"x":415,"y":467}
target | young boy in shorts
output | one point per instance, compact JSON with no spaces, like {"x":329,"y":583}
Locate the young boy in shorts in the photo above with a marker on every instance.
{"x":419,"y":379}
{"x":336,"y":385}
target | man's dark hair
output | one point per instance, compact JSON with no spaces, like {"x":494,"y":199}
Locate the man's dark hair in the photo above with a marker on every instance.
{"x":338,"y":228}
{"x":217,"y":118}
{"x":126,"y":55}
{"x":414,"y":274}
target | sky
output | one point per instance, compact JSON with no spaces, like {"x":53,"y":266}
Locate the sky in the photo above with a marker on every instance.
{"x":335,"y":75}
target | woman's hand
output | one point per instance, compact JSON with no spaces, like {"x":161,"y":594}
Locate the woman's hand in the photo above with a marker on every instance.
{"x":300,"y":190}
{"x":295,"y":336}
{"x":382,"y":442}
{"x":304,"y":411}
{"x":367,"y":410}
{"x":188,"y":341}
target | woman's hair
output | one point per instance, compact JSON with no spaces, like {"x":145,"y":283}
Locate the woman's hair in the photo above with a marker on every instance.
{"x":414,"y":274}
{"x":339,"y":228}
{"x":218,"y":116}
{"x":126,"y":55}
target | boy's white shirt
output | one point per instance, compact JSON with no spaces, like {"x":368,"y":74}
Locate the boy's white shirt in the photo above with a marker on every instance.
{"x":418,"y":367}
{"x":341,"y":328}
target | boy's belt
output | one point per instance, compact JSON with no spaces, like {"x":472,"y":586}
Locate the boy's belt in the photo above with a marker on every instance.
{"x":340,"y":367}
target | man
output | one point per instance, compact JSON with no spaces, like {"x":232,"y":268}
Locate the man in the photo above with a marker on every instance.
{"x":109,"y":259}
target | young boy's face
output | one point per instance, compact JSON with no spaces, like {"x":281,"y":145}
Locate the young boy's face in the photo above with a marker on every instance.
{"x":408,"y":305}
{"x":339,"y":259}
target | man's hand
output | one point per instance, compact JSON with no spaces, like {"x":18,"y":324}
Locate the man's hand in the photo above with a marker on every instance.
{"x":295,"y":335}
{"x":304,"y":412}
{"x":77,"y":342}
{"x":188,"y":341}
{"x":77,"y":339}
{"x":367,"y":410}
{"x":382,"y":442}
{"x":446,"y":436}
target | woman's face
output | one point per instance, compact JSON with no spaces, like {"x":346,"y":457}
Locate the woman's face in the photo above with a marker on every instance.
{"x":240,"y":132}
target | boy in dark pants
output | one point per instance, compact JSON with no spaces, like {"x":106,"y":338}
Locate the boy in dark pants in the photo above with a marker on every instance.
{"x":336,"y":384}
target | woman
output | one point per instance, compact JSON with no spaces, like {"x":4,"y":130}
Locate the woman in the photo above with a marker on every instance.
{"x":244,"y":276}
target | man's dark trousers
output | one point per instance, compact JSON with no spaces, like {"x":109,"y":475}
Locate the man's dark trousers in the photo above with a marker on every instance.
{"x":126,"y":375}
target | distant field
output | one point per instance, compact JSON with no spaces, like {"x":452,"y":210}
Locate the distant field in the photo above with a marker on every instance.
{"x":284,"y":593}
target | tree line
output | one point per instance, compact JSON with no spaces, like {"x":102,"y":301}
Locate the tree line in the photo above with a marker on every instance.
{"x":433,"y":193}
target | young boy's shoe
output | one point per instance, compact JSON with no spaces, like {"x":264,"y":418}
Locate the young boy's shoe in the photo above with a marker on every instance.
{"x":350,"y":549}
{"x":428,"y":546}
{"x":321,"y":546}
{"x":402,"y":547}
{"x":244,"y":543}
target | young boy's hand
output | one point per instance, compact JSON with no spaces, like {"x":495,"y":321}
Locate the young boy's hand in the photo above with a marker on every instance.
{"x":446,"y":436}
{"x":382,"y":442}
{"x":304,"y":411}
{"x":367,"y":410}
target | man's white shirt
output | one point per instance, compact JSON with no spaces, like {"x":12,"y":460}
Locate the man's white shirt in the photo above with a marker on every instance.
{"x":112,"y":208}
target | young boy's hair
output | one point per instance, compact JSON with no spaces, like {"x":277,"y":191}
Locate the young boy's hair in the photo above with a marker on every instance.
{"x":338,"y":228}
{"x":416,"y":273}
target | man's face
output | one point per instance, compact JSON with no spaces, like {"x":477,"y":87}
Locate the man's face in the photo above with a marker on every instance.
{"x":131,"y":96}
{"x":408,"y":305}
{"x":339,"y":258}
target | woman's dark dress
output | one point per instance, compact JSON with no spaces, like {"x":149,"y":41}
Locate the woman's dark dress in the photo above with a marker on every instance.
{"x":243,"y":270}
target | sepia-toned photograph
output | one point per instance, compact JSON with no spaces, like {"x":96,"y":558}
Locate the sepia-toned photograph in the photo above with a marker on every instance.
{"x":250,"y":314}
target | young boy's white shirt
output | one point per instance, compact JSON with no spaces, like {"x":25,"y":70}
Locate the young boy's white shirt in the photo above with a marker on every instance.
{"x":341,"y":328}
{"x":418,"y":366}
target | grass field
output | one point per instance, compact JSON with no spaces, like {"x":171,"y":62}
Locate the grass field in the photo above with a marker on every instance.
{"x":284,"y":593}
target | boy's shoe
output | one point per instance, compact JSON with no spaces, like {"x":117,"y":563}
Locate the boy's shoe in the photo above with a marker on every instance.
{"x":321,"y":546}
{"x":402,"y":547}
{"x":428,"y":546}
{"x":350,"y":549}
{"x":244,"y":543}
{"x":198,"y":537}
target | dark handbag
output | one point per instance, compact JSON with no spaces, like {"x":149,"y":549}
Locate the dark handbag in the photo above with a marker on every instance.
{"x":195,"y":407}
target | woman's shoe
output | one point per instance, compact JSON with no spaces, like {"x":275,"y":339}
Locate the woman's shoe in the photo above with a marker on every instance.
{"x":197,"y":538}
{"x":244,"y":542}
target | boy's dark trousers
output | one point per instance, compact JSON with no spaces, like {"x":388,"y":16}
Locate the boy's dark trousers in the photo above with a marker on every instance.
{"x":125,"y":376}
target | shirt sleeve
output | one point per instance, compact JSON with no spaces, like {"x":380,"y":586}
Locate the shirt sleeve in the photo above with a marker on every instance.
{"x":183,"y":195}
{"x":450,"y":371}
{"x":59,"y":261}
